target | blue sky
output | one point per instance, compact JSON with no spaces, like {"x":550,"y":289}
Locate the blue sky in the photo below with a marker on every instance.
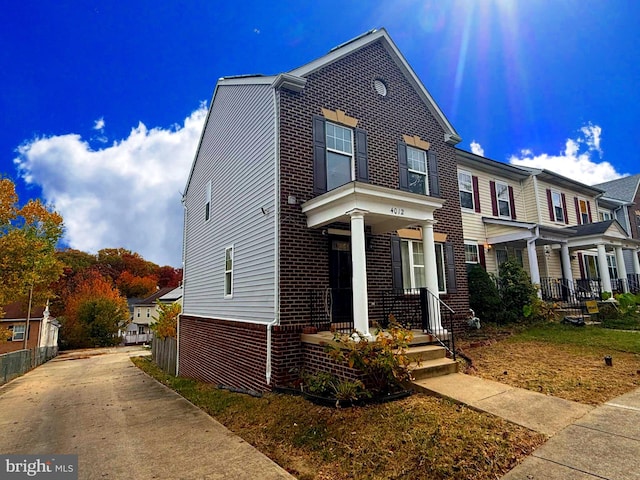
{"x":102,"y":103}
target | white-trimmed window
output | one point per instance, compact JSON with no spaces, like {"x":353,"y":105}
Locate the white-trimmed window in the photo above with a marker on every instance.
{"x":605,"y":215}
{"x":340,"y":163}
{"x":141,"y":329}
{"x":417,"y":170}
{"x":583,"y":208}
{"x":465,"y":183}
{"x":228,"y":272}
{"x":413,"y":271}
{"x":207,"y":204}
{"x":148,"y":312}
{"x":18,"y":333}
{"x":613,"y":266}
{"x":558,"y":208}
{"x":502,"y":197}
{"x":471,"y":254}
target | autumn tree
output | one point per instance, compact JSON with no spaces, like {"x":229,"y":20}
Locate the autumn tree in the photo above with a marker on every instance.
{"x":94,"y":314}
{"x":166,"y":323}
{"x":132,"y":286}
{"x":169,"y":276}
{"x":28,"y":237}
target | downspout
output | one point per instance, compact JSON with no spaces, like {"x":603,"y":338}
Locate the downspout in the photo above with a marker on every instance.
{"x":184,"y":272}
{"x":276,"y":234}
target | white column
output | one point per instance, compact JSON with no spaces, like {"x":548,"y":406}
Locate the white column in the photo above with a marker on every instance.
{"x":431,"y":274}
{"x":566,"y":264}
{"x":605,"y":279}
{"x":534,"y":272}
{"x":636,"y":263}
{"x":622,"y":269}
{"x":359,"y":274}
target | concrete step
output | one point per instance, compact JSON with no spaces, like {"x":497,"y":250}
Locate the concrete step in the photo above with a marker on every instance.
{"x":433,"y":368}
{"x":426,"y":352}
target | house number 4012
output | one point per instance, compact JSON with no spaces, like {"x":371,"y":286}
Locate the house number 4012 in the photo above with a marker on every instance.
{"x":397,"y":211}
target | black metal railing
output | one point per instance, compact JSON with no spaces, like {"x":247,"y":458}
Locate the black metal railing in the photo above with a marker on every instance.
{"x":562,"y":290}
{"x":633,"y":280}
{"x":332,"y":309}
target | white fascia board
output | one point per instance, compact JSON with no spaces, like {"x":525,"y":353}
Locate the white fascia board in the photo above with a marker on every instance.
{"x":507,"y":223}
{"x":518,"y":236}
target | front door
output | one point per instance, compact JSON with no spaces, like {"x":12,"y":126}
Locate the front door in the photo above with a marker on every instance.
{"x":340,"y":280}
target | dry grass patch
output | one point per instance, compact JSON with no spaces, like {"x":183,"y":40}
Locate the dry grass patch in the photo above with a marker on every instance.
{"x":419,"y":437}
{"x":566,"y":362}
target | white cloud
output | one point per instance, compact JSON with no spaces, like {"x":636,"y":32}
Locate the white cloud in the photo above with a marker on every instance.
{"x":476,"y":148}
{"x":575,"y":161}
{"x":99,"y":124}
{"x":125,"y":195}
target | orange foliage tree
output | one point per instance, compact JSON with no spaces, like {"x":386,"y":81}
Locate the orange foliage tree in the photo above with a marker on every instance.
{"x":132,"y":286}
{"x":94,"y":313}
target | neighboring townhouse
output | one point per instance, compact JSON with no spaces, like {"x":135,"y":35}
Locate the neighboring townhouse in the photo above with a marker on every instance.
{"x":42,"y":332}
{"x":621,"y":200}
{"x":323,"y":197}
{"x":139,"y":331}
{"x":549,"y":223}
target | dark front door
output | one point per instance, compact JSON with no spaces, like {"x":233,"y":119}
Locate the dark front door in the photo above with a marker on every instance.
{"x":340,"y":280}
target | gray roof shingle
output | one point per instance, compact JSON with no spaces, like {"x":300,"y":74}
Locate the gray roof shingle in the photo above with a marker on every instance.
{"x":622,"y":188}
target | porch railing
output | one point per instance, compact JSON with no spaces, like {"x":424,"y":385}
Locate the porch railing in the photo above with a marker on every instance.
{"x":561,"y":290}
{"x":633,"y":280}
{"x":410,"y":308}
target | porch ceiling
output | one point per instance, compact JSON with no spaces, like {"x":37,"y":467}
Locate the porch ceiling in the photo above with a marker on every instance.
{"x":508,"y":231}
{"x":385,"y":209}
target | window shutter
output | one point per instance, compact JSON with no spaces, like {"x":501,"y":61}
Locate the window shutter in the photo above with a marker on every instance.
{"x":494,"y":200}
{"x":581,"y":265}
{"x":476,"y":193}
{"x":552,"y":217}
{"x":403,"y":169}
{"x":319,"y":155}
{"x":432,"y":171}
{"x":396,"y":263}
{"x":481,"y":257}
{"x":564,"y":209}
{"x":450,"y":261}
{"x":362,"y":160}
{"x":578,"y":216}
{"x":512,"y":203}
{"x":589,"y":212}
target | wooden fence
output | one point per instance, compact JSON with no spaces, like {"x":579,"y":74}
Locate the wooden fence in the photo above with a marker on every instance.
{"x":21,"y":361}
{"x":164,"y":353}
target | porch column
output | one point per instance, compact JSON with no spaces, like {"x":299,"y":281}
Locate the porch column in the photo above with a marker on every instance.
{"x":534,"y":272}
{"x":604,"y":269}
{"x":622,"y":269}
{"x":636,"y":262}
{"x":431,"y":274}
{"x":566,"y":265}
{"x":359,"y":273}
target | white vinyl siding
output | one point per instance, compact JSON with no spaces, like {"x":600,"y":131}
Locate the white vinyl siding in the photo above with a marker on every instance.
{"x":237,"y":155}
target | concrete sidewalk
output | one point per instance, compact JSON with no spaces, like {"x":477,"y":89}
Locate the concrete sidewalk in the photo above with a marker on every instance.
{"x":586,"y":443}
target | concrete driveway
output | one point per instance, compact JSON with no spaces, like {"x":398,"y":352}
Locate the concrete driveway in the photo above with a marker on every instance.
{"x":120,"y":423}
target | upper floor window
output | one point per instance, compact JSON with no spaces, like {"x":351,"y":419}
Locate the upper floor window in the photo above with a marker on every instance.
{"x":207,"y":203}
{"x":605,"y":215}
{"x":228,"y":271}
{"x":339,"y":143}
{"x":465,"y":182}
{"x":583,"y":211}
{"x":558,"y":209}
{"x":148,"y":312}
{"x":417,"y":170}
{"x":502,"y":195}
{"x":18,"y":333}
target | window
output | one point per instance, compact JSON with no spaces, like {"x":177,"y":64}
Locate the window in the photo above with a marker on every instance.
{"x":141,"y":329}
{"x":413,"y":271}
{"x":605,"y":215}
{"x":207,"y":205}
{"x":583,"y":210}
{"x":339,"y":155}
{"x":18,"y":333}
{"x":417,"y":170}
{"x":138,"y":312}
{"x":501,"y":256}
{"x":502,"y":195}
{"x":465,"y":182}
{"x":228,"y":272}
{"x":558,"y":208}
{"x":613,"y":267}
{"x":471,"y":254}
{"x":148,"y":312}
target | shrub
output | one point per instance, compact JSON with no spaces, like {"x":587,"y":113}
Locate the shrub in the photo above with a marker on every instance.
{"x":383,"y":360}
{"x":541,"y":311}
{"x":319,"y":383}
{"x":484,"y":298}
{"x":516,"y":290}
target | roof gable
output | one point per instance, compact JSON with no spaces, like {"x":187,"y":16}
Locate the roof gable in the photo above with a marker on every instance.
{"x":381,"y":35}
